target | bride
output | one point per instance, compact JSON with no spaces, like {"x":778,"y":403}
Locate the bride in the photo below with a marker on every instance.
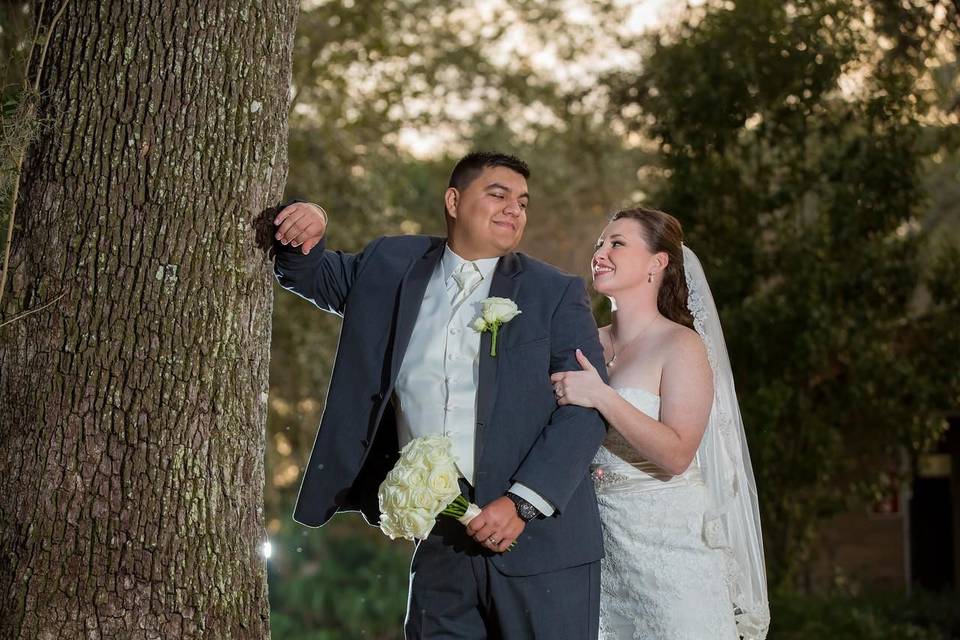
{"x":678,"y":502}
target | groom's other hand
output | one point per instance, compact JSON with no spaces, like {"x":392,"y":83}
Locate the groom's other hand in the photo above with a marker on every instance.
{"x":301,"y":224}
{"x":497,"y":526}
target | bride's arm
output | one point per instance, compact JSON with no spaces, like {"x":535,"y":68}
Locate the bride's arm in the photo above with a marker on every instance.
{"x":686,"y":390}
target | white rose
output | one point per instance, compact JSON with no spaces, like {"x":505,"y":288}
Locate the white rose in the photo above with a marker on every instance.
{"x":409,"y":475}
{"x":433,"y":441}
{"x":390,"y":498}
{"x":391,"y":477}
{"x":407,"y":448}
{"x":479,"y":325}
{"x":422,"y":450}
{"x":389,"y":526}
{"x":406,"y":497}
{"x":397,"y":476}
{"x":499,"y":309}
{"x":416,"y":523}
{"x":418,"y":476}
{"x":415,"y":457}
{"x":436,"y":454}
{"x":443,"y":483}
{"x":422,"y":499}
{"x":440,"y":446}
{"x":427,"y":520}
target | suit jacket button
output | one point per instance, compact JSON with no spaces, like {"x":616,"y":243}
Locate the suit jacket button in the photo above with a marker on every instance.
{"x":377,"y":397}
{"x":365,"y":443}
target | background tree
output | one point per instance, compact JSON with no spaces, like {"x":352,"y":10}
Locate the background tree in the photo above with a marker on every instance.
{"x":794,"y":139}
{"x":132,"y":410}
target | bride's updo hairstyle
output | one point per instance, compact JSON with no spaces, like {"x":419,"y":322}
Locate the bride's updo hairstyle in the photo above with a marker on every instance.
{"x":663,"y":233}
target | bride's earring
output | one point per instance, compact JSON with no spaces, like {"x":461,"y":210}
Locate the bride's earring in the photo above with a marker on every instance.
{"x":650,"y":277}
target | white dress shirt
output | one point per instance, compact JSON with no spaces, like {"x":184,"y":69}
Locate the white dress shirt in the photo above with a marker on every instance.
{"x":436,"y":389}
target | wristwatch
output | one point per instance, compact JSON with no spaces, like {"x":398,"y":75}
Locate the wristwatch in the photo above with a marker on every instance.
{"x":525,"y":510}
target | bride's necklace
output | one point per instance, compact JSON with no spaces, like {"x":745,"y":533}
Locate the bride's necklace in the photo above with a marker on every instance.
{"x":632,"y":341}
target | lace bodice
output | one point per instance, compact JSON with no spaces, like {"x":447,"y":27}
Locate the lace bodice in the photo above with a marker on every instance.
{"x":659,"y":579}
{"x":618,"y":461}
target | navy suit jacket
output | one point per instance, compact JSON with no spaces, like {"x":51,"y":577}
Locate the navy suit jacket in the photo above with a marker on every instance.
{"x":522,"y":435}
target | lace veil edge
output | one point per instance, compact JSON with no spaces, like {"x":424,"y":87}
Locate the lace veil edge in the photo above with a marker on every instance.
{"x":732,"y":520}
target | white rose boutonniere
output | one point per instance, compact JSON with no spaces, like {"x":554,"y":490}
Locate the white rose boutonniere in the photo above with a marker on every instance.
{"x":494,"y":313}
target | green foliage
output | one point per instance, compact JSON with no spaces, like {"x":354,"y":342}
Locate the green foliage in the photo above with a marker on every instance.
{"x":18,"y":108}
{"x":803,"y":200}
{"x":842,"y":616}
{"x":372,"y":75}
{"x":16,"y":126}
{"x":16,"y":25}
{"x":339,"y":581}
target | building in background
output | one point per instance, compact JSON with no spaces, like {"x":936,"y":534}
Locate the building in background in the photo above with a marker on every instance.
{"x":908,"y":539}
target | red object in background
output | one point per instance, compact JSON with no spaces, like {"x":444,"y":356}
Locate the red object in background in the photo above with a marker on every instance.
{"x":889,"y":502}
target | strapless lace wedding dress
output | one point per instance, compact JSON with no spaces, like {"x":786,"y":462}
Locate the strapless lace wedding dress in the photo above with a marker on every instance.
{"x":659,"y":579}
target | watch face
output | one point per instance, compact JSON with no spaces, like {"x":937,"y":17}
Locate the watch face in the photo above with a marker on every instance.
{"x":527,"y":511}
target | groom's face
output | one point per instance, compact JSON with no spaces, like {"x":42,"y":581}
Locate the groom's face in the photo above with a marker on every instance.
{"x":487,"y":218}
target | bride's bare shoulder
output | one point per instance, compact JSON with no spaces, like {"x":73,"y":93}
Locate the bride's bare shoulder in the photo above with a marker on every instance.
{"x":684,"y":343}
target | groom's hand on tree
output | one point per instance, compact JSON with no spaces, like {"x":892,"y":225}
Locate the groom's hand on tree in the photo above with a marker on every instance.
{"x":497,"y":526}
{"x":301,"y":224}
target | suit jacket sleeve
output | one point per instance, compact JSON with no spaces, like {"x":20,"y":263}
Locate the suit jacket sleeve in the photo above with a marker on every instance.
{"x":560,"y":459}
{"x":323,"y":277}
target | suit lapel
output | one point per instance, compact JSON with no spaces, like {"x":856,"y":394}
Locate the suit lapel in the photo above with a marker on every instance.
{"x":412,"y":288}
{"x":503,"y":285}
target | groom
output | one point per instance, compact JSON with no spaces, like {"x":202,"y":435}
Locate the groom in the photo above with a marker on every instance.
{"x":409,"y":364}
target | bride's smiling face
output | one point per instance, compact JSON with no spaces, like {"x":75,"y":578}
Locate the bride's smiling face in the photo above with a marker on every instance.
{"x":622,"y":259}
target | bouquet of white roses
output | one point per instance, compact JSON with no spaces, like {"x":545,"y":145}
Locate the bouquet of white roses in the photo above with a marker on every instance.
{"x":421,"y":486}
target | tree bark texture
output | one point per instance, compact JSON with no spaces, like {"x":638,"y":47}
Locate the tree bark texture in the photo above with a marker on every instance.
{"x":132,"y":411}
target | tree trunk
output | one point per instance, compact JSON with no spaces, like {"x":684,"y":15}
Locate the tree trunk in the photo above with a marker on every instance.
{"x":132,"y":410}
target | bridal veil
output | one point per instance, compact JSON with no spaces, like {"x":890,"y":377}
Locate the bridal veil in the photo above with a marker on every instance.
{"x":732,"y":520}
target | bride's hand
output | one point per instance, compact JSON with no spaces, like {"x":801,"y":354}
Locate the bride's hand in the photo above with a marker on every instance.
{"x":583,"y":388}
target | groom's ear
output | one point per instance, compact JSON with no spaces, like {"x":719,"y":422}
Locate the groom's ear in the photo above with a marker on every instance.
{"x":450,"y":200}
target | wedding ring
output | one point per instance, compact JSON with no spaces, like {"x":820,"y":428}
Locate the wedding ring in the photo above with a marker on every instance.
{"x":493,"y":541}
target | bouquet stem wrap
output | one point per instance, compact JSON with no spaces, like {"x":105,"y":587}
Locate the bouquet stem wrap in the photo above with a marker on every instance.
{"x":461,"y":509}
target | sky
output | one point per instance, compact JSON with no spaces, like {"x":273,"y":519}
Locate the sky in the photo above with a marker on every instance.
{"x":643,"y":16}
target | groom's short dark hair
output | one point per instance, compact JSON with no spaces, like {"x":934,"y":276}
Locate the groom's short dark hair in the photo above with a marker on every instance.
{"x":472,"y":165}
